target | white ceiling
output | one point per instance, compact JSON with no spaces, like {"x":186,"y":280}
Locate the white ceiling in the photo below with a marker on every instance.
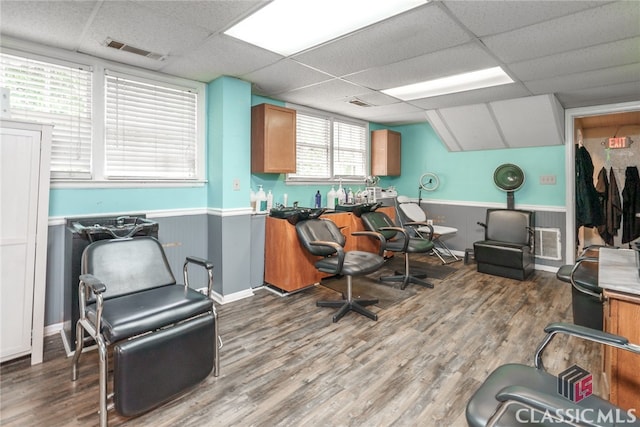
{"x":585,"y":52}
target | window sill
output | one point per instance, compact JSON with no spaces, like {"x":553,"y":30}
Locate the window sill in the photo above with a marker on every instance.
{"x":125,"y":184}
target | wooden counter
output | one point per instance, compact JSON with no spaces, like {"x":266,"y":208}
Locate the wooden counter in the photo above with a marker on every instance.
{"x":290,"y":267}
{"x":618,"y":276}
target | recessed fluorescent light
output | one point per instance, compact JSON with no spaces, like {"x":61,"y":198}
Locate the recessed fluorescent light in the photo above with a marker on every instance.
{"x":458,"y":83}
{"x":290,"y":26}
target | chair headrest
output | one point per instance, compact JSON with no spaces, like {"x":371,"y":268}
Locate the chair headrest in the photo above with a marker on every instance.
{"x":403,"y":199}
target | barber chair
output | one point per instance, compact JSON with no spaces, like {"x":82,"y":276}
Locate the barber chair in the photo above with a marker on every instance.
{"x":508,"y":247}
{"x":163,"y":336}
{"x":516,"y":395}
{"x":417,"y":220}
{"x":322,"y":237}
{"x":586,"y":295}
{"x":398,"y":240}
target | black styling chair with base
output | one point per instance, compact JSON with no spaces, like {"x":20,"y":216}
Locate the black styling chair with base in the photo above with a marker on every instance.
{"x":163,"y":336}
{"x":517,"y":395}
{"x":398,"y":240}
{"x":322,"y":237}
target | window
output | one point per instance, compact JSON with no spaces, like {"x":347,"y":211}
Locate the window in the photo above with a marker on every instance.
{"x":150,"y":130}
{"x":329,"y":148}
{"x":58,"y":94}
{"x":120,"y":124}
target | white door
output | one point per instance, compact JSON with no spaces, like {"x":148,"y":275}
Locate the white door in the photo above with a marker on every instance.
{"x":19,"y":172}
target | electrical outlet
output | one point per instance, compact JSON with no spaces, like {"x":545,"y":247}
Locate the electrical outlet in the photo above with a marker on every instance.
{"x":236,"y":184}
{"x":429,"y":222}
{"x":547,"y":180}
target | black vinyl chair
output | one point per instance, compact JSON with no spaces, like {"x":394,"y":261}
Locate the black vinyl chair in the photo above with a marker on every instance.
{"x":398,"y":240}
{"x":163,"y":336}
{"x":516,"y":395}
{"x":322,"y":237}
{"x":587,"y":300}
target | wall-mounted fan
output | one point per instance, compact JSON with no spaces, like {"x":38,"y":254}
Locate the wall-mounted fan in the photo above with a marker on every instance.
{"x":509,"y":177}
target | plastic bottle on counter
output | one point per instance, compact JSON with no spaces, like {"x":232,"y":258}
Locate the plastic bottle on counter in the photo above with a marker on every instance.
{"x":284,"y":199}
{"x":261,"y":201}
{"x":341,"y":195}
{"x":269,"y":201}
{"x":350,"y":197}
{"x":252,"y":200}
{"x":331,"y":198}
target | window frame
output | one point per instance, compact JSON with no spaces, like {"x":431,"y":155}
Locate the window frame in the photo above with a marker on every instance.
{"x":98,"y":67}
{"x":333,"y":178}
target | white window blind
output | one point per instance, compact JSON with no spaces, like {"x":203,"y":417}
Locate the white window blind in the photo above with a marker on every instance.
{"x":50,"y":93}
{"x":151,"y":130}
{"x":349,"y":149}
{"x":329,"y":148}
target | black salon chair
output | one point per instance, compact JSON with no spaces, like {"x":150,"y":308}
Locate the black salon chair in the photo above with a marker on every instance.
{"x":322,"y":237}
{"x":163,"y":336}
{"x":586,"y":294}
{"x":508,"y":248}
{"x":516,"y":395}
{"x":398,"y":240}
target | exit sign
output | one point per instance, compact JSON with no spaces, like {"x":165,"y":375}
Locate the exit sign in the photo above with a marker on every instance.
{"x":620,"y":142}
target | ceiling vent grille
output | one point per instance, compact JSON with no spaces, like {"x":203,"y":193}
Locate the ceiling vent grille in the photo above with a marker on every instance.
{"x":128,"y":48}
{"x":359,"y":103}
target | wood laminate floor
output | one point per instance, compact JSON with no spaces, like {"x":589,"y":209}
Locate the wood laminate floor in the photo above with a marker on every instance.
{"x":284,"y":363}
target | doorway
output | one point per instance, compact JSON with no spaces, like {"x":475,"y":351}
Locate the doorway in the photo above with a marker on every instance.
{"x":574,"y":118}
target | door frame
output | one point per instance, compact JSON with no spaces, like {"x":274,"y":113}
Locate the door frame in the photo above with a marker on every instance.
{"x":570,"y":190}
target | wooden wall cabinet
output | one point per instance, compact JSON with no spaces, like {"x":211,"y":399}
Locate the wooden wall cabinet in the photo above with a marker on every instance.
{"x":385,"y":152}
{"x":273,"y":139}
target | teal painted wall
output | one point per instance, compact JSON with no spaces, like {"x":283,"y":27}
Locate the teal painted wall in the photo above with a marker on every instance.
{"x":468,"y":176}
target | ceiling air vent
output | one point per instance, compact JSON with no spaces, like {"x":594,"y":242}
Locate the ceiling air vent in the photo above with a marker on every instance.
{"x":359,"y":103}
{"x":128,"y":48}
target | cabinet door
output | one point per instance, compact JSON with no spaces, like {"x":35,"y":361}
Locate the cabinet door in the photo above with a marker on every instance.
{"x":273,"y":139}
{"x":20,"y":154}
{"x":385,"y":153}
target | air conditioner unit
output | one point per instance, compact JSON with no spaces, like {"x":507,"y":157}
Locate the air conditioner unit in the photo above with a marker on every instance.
{"x":548,"y":243}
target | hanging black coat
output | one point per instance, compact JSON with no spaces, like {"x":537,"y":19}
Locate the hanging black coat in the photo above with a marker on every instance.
{"x":602,"y":187}
{"x":614,"y":206}
{"x":588,"y":209}
{"x":631,"y":205}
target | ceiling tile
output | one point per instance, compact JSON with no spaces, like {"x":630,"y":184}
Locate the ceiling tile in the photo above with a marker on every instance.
{"x":215,"y":16}
{"x":623,"y":92}
{"x":602,"y":56}
{"x":589,"y":79}
{"x":220,"y":55}
{"x":493,"y":17}
{"x":59,"y":24}
{"x":271,"y":81}
{"x":398,"y":38}
{"x":610,"y":22}
{"x":473,"y":127}
{"x":459,"y":59}
{"x":477,"y":96}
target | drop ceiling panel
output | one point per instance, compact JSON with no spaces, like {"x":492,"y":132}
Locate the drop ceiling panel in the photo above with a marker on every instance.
{"x":272,"y":83}
{"x":137,"y":26}
{"x":441,"y":128}
{"x":327,"y":93}
{"x":589,"y":79}
{"x":221,"y":55}
{"x":493,"y":17}
{"x":473,"y":127}
{"x":215,"y":16}
{"x":513,"y":90}
{"x":531,"y":121}
{"x":598,"y":57}
{"x":398,"y":38}
{"x":58,"y":24}
{"x":611,"y":94}
{"x":607,"y":23}
{"x":455,"y":60}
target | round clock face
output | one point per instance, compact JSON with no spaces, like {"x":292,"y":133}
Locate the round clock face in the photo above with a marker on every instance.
{"x":429,"y":181}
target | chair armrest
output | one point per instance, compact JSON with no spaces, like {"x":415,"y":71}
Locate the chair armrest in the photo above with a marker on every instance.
{"x":339,"y":251}
{"x":577,"y":286}
{"x":93,"y":283}
{"x":422,"y":224}
{"x":585,"y":333}
{"x":206,"y":264}
{"x":555,"y":406}
{"x":482,"y":224}
{"x":383,"y":240}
